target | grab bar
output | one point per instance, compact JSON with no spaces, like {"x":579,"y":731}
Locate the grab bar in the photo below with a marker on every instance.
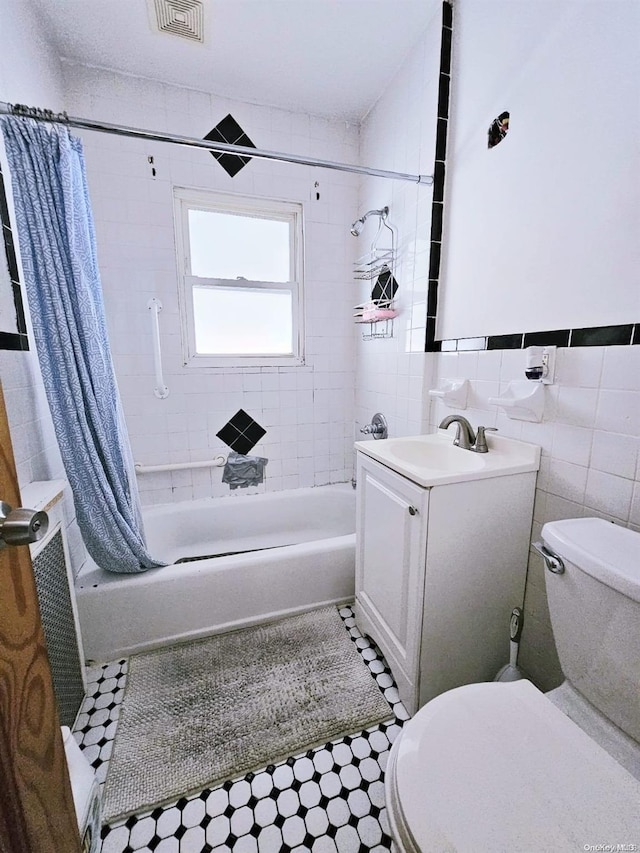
{"x":218,"y":462}
{"x":155,"y":306}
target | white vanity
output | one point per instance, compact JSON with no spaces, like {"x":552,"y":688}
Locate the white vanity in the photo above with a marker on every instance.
{"x":442,"y":541}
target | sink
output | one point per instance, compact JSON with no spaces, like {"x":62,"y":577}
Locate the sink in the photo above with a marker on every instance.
{"x":431,"y":460}
{"x":435,"y":457}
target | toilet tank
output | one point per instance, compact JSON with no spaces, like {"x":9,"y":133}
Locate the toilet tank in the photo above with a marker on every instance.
{"x":595,"y":614}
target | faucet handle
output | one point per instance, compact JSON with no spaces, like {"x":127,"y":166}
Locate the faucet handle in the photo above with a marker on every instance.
{"x":481,"y":441}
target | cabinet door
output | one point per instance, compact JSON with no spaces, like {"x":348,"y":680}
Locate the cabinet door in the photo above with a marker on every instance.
{"x":390,"y":560}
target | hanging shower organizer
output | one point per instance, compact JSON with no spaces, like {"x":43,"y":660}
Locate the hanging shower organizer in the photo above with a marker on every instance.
{"x":378,"y":268}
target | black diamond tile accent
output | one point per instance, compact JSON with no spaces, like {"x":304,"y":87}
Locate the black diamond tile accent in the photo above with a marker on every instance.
{"x":229,"y":131}
{"x":241,"y":433}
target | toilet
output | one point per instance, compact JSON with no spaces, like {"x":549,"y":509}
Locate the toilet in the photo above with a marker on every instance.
{"x":504,"y":767}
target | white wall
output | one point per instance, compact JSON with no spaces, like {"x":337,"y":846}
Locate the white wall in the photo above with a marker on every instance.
{"x":30,"y":73}
{"x":399,"y":133}
{"x":308,"y":410}
{"x":542,"y":231}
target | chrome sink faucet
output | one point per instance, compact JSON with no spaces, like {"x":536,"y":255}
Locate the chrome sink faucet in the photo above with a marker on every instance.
{"x":465,"y":436}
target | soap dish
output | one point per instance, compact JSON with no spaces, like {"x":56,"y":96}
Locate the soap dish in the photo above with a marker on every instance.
{"x":522,"y":400}
{"x":452,"y":392}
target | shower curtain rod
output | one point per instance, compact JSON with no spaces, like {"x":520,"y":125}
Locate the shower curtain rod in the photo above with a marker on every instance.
{"x":193,"y":142}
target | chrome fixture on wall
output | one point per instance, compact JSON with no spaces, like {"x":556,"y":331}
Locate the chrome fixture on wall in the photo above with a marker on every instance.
{"x":377,"y":428}
{"x":358,"y":225}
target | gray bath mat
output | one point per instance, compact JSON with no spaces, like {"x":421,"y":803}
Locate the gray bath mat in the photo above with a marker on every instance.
{"x":196,"y":714}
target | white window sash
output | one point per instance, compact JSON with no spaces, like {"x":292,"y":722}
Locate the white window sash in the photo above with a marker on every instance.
{"x":260,"y":208}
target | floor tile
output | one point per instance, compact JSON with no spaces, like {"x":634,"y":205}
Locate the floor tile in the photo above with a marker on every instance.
{"x":328,"y":800}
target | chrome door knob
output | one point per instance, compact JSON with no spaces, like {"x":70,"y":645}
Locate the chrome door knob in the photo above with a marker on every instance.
{"x":21,"y":526}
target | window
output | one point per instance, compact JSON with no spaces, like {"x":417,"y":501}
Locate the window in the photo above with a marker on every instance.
{"x":240,"y":266}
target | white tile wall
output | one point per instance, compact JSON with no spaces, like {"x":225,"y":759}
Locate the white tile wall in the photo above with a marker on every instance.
{"x":30,"y":73}
{"x":590,"y":439}
{"x":308,"y":410}
{"x":399,"y":133}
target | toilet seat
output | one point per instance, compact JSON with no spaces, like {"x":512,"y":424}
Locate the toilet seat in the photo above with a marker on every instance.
{"x":498,"y":767}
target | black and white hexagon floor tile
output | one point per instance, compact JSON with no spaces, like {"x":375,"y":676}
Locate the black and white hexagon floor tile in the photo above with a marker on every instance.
{"x":327,"y":800}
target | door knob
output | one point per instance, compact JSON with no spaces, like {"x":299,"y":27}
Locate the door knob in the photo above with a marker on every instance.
{"x":21,"y":526}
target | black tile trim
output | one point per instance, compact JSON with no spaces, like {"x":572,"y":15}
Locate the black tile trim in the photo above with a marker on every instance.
{"x":434,"y":261}
{"x":447,"y":15}
{"x":505,"y":341}
{"x":445,"y":53}
{"x":439,"y":174}
{"x":12,"y":340}
{"x":600,"y":336}
{"x":441,"y":139}
{"x":623,"y":335}
{"x":556,"y":338}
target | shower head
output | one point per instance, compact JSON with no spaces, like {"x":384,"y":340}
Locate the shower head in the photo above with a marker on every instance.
{"x":358,"y":225}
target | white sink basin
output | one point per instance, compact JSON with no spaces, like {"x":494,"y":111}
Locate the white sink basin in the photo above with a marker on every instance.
{"x":431,"y":460}
{"x":436,"y":457}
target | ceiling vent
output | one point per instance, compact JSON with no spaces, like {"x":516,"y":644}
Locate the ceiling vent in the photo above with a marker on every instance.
{"x":181,"y":17}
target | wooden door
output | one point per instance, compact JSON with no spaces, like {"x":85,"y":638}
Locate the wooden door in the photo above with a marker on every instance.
{"x":36,"y":804}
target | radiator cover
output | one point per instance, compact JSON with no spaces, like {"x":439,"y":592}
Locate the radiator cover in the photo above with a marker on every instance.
{"x":54,"y":596}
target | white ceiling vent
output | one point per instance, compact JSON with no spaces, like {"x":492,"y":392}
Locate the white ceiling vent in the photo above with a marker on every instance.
{"x":181,"y":17}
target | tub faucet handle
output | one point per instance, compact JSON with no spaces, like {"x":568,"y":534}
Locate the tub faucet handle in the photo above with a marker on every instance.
{"x":377,"y":428}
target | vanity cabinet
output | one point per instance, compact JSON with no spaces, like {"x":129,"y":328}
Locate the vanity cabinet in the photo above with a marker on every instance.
{"x":438,"y":571}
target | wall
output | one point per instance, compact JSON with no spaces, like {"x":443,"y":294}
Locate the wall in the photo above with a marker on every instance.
{"x":307,"y":411}
{"x":30,"y":73}
{"x":590,"y":440}
{"x":554,"y":209}
{"x":399,"y":133}
{"x":562,"y":217}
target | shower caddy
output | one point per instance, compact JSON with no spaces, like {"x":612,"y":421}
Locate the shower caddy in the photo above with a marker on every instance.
{"x":378,"y":268}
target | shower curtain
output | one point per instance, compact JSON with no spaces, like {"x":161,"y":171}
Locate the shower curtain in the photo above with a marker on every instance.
{"x":57,"y":244}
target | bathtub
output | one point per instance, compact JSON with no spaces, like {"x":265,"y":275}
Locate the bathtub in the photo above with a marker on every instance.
{"x":297,"y":552}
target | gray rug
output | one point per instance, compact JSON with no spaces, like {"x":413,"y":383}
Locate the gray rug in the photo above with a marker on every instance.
{"x":198,"y":713}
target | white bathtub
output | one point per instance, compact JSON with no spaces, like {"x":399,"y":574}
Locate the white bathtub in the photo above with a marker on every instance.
{"x":299,"y":554}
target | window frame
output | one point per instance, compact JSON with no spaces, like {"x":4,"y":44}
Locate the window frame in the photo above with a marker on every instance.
{"x":248,"y":206}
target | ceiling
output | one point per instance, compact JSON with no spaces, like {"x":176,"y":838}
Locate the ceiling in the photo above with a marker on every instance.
{"x":324,"y":57}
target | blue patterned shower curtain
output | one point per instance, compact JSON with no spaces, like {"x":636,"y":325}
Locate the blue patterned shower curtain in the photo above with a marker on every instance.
{"x":58,"y":248}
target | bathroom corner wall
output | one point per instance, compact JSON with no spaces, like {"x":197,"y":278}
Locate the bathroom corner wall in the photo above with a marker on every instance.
{"x":537,"y":215}
{"x":399,"y":133}
{"x":30,"y":73}
{"x":307,"y":410}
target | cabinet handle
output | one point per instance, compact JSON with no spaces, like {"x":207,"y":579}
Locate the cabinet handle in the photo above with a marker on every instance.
{"x":413,"y":510}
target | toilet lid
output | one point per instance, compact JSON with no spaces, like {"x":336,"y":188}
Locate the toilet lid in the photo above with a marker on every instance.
{"x":498,"y":767}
